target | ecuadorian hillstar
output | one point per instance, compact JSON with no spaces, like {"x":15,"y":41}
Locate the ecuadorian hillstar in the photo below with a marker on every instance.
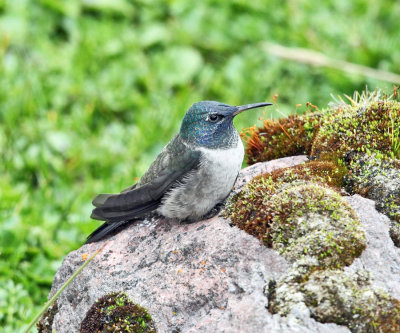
{"x":194,"y":172}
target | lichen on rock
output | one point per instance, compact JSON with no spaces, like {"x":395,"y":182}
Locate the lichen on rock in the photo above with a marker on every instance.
{"x":115,"y":312}
{"x":336,"y":296}
{"x":378,"y":178}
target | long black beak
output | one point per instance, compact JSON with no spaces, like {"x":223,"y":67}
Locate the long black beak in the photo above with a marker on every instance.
{"x":242,"y":108}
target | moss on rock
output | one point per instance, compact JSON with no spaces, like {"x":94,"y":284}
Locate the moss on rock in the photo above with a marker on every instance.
{"x":251,"y":210}
{"x":335,"y":296}
{"x":363,"y":127}
{"x":280,"y":138}
{"x":361,"y":136}
{"x":115,"y":312}
{"x":299,"y":210}
{"x":370,"y":123}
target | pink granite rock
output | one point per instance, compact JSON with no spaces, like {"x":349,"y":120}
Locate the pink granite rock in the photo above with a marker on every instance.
{"x":206,"y":276}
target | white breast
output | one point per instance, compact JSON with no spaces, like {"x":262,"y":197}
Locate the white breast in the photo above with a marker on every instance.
{"x":222,"y":166}
{"x":205,"y":187}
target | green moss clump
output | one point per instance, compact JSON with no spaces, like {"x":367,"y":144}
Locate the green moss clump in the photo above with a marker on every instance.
{"x":115,"y":312}
{"x":279,"y":138}
{"x":313,"y":221}
{"x":363,"y":127}
{"x":250,"y":211}
{"x":335,"y":296}
{"x":324,"y":173}
{"x":369,"y":124}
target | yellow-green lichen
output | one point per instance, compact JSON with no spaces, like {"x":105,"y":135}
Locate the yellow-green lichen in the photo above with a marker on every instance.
{"x":378,"y":178}
{"x":336,"y":296}
{"x":115,"y":312}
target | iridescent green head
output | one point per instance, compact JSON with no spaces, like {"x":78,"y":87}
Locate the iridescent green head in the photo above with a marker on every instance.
{"x":209,"y":124}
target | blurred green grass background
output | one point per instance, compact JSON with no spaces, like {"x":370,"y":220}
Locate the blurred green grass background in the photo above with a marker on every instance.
{"x":91,"y":90}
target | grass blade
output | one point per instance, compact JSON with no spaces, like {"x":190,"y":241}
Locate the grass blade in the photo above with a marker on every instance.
{"x":55,"y":296}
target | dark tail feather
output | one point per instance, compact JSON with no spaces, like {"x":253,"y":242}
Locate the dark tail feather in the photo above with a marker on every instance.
{"x":104,"y":230}
{"x":115,"y":216}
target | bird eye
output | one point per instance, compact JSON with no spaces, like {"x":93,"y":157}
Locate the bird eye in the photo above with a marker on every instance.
{"x":214,"y":117}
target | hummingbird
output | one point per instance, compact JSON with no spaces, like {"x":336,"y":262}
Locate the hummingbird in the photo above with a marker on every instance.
{"x":193,"y":173}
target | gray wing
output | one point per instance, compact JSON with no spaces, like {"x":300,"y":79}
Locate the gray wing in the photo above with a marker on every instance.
{"x":173,"y":163}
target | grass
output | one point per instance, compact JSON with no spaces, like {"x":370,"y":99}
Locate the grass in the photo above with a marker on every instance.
{"x":90,"y":91}
{"x":395,"y":139}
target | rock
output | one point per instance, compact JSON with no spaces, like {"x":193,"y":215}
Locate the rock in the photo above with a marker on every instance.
{"x":380,"y":258}
{"x":208,"y":276}
{"x":254,"y":170}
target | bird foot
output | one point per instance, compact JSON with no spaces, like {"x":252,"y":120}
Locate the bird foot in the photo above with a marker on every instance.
{"x":213,"y":212}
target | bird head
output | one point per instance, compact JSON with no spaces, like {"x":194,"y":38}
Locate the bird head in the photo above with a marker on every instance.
{"x":210,"y":124}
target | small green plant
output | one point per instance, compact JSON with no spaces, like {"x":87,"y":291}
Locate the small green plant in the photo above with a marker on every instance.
{"x":115,"y":312}
{"x":395,"y":137}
